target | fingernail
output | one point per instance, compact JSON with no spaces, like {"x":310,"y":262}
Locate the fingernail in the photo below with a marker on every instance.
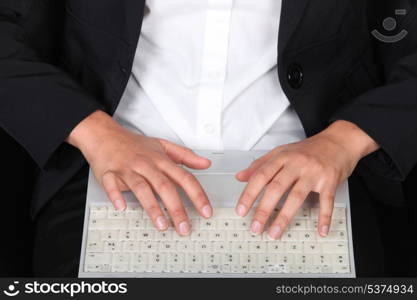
{"x":256,"y":227}
{"x":184,"y":228}
{"x":324,"y":230}
{"x":207,"y":211}
{"x":241,"y":210}
{"x":274,"y":232}
{"x":161,"y":223}
{"x":119,"y":204}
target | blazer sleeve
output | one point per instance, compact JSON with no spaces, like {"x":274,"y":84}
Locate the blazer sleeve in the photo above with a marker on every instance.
{"x":389,"y":113}
{"x":40,"y":103}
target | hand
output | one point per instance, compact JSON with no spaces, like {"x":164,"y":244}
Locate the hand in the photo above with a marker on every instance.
{"x":122,"y":160}
{"x":317,"y":164}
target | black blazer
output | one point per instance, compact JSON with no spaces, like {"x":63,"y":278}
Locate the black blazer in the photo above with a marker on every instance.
{"x":61,"y":60}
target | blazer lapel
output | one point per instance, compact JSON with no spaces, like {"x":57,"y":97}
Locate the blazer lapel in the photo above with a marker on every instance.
{"x":291,"y":14}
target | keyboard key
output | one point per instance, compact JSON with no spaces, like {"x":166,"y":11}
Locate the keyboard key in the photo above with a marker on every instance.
{"x":252,"y":237}
{"x":239,"y":247}
{"x":127,"y":235}
{"x":149,"y":246}
{"x":298,"y":224}
{"x":109,"y":235}
{"x":185,"y":246}
{"x":340,"y":260}
{"x":290,"y":236}
{"x":322,"y":260}
{"x":341,"y":269}
{"x":146,"y":235}
{"x":221,"y":247}
{"x":98,"y":258}
{"x":338,"y":225}
{"x":120,"y":262}
{"x":157,"y":262}
{"x":217,"y":236}
{"x":303,"y":259}
{"x":332,"y":247}
{"x":108,"y":224}
{"x":111,"y":246}
{"x":130,"y":246}
{"x":249,"y":259}
{"x":98,"y":212}
{"x":193,"y":262}
{"x":115,"y":214}
{"x":211,"y":263}
{"x":163,"y":235}
{"x":242,"y":224}
{"x":225,"y":224}
{"x":203,"y":246}
{"x":285,"y":259}
{"x":176,"y":262}
{"x":139,"y":262}
{"x":207,"y":225}
{"x":306,"y":236}
{"x":311,"y":248}
{"x":167,"y":246}
{"x":201,"y":235}
{"x":276,"y":246}
{"x":136,"y":224}
{"x":134,"y":213}
{"x":235,"y":235}
{"x":294,"y":247}
{"x":339,"y":213}
{"x":257,"y":247}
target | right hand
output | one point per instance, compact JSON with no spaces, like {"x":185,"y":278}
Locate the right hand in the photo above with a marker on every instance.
{"x":122,"y":160}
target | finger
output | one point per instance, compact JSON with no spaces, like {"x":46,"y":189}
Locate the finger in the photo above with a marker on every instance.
{"x":165,"y":188}
{"x":327,"y":198}
{"x":185,"y":156}
{"x":109,"y":182}
{"x":143,"y":192}
{"x":121,"y":185}
{"x":191,"y":186}
{"x":256,"y":183}
{"x":245,"y":174}
{"x":293,"y":202}
{"x":273,"y":193}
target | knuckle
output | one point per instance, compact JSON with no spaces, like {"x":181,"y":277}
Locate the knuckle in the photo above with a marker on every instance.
{"x":151,"y":207}
{"x":325,"y":216}
{"x":187,"y":178}
{"x":139,"y":185}
{"x":140,"y":163}
{"x":275,"y":185}
{"x":261,"y":175}
{"x":178,"y":213}
{"x":297,"y":196}
{"x":262,"y":213}
{"x":165,"y":185}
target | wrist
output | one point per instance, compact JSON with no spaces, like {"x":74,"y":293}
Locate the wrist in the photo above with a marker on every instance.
{"x":86,"y":136}
{"x":351,"y":137}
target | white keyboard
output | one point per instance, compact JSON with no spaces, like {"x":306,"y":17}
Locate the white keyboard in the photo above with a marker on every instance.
{"x":128,"y":242}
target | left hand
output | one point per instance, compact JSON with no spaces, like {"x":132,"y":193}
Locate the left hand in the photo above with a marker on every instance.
{"x":317,"y":164}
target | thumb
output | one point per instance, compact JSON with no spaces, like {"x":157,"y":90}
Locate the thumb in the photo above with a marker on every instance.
{"x":185,"y":156}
